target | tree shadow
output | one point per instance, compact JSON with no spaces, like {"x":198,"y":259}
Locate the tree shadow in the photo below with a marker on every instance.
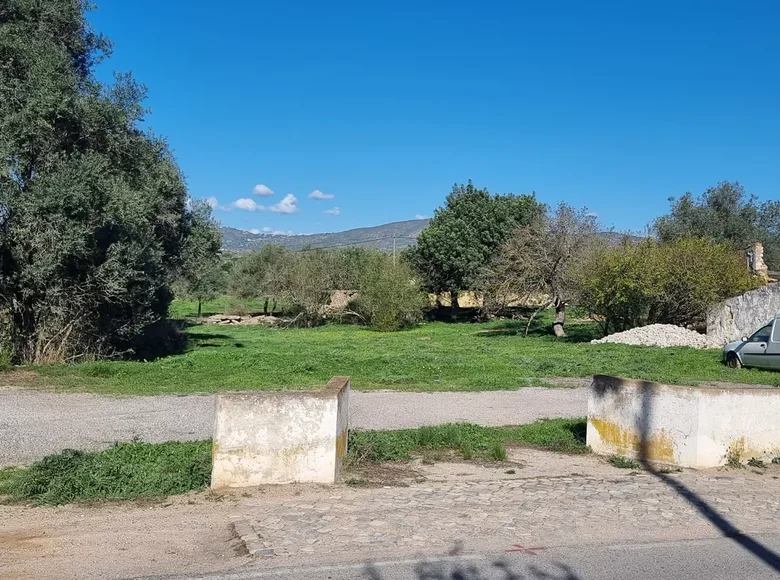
{"x":499,"y":569}
{"x":575,"y":333}
{"x":729,"y":530}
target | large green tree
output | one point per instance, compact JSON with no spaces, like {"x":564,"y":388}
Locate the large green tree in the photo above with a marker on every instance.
{"x":727,"y":214}
{"x":465,"y":234}
{"x":93,"y":209}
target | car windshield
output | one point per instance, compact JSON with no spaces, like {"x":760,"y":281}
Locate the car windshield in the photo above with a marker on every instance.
{"x":762,"y":334}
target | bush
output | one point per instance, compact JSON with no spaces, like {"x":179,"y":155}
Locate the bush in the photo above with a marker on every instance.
{"x":670,"y":283}
{"x":389,"y":297}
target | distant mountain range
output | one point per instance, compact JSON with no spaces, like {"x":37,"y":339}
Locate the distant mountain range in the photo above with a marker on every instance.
{"x":378,"y":237}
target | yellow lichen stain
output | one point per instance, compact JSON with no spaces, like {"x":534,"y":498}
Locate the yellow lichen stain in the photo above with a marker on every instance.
{"x":659,"y":448}
{"x":341,"y":445}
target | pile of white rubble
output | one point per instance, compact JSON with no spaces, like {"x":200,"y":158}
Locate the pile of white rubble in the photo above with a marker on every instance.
{"x":662,"y":335}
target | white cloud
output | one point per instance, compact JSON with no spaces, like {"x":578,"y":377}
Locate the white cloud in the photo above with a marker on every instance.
{"x":262,"y":190}
{"x":254,"y":231}
{"x":248,"y":204}
{"x":273,"y":232}
{"x":317,"y":194}
{"x":334,"y":211}
{"x":214,"y":204}
{"x":288,"y":205}
{"x":420,"y":216}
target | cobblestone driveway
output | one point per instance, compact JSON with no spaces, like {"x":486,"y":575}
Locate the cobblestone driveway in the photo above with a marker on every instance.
{"x":529,"y":513}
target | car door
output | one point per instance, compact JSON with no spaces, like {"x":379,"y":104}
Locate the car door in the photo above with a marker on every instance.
{"x":773,"y":348}
{"x":754,"y":352}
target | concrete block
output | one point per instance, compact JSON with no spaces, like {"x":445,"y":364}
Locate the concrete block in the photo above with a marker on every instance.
{"x":695,"y":427}
{"x":280,"y":437}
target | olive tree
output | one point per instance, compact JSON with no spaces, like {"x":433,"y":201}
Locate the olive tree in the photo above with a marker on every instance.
{"x":540,"y":261}
{"x":93,"y":208}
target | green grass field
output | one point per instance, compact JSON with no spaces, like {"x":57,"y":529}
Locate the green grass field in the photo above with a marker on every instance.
{"x":435,"y":356}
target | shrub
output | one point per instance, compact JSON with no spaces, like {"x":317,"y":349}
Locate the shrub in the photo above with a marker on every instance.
{"x":671,"y":283}
{"x":389,"y":297}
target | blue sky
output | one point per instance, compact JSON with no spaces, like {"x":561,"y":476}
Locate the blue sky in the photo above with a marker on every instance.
{"x":611,"y":105}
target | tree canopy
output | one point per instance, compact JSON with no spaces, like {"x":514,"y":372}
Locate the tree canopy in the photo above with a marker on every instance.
{"x":93,"y":209}
{"x":727,"y":214}
{"x":465,"y":234}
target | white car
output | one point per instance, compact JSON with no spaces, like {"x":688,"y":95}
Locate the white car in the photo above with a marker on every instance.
{"x":761,"y":349}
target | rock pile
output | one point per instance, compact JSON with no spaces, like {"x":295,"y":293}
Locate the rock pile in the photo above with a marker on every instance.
{"x":663,"y":335}
{"x":245,"y":320}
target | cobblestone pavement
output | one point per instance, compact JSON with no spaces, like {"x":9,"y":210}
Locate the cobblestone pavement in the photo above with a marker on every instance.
{"x":528,"y":513}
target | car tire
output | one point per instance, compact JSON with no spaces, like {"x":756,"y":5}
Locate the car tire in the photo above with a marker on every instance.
{"x":732,"y":361}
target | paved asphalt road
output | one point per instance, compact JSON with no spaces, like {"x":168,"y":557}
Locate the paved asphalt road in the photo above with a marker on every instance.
{"x":717,"y":559}
{"x":34,"y":424}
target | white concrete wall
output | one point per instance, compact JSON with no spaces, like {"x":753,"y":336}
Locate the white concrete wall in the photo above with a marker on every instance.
{"x":742,"y":315}
{"x":280,"y":437}
{"x":687,"y":426}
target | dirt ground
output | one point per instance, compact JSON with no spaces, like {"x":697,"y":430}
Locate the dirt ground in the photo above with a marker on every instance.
{"x":192,"y":533}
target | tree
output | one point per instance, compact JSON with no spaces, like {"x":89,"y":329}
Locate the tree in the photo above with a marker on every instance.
{"x":726,"y":214}
{"x":93,"y":210}
{"x":465,"y":234}
{"x":202,"y":275}
{"x":542,"y":259}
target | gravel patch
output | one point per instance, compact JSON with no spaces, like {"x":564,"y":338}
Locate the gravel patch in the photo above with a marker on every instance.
{"x":662,"y":335}
{"x":34,"y":424}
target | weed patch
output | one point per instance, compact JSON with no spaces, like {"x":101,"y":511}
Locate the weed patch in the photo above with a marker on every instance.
{"x":472,"y":441}
{"x":623,"y":462}
{"x":125,"y":471}
{"x":754,"y":462}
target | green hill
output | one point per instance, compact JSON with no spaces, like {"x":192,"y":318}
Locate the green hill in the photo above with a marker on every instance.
{"x":379,"y":237}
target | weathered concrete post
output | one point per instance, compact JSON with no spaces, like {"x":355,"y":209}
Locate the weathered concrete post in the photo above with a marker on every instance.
{"x":281,"y":436}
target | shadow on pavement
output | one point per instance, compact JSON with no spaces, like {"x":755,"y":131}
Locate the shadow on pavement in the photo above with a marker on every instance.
{"x":729,"y":530}
{"x":498,"y":570}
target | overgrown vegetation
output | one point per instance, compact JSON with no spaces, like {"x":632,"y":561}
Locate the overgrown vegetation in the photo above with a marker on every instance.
{"x":470,"y":441}
{"x":389,"y":296}
{"x":649,"y":282}
{"x":93,"y":207}
{"x":125,"y":471}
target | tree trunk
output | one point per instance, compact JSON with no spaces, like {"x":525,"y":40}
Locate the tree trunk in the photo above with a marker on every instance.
{"x":454,"y":299}
{"x":200,"y":306}
{"x":265,"y":307}
{"x":560,"y":318}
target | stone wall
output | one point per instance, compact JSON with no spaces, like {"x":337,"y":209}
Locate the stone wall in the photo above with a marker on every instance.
{"x":742,"y":315}
{"x":280,"y":437}
{"x":695,"y":427}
